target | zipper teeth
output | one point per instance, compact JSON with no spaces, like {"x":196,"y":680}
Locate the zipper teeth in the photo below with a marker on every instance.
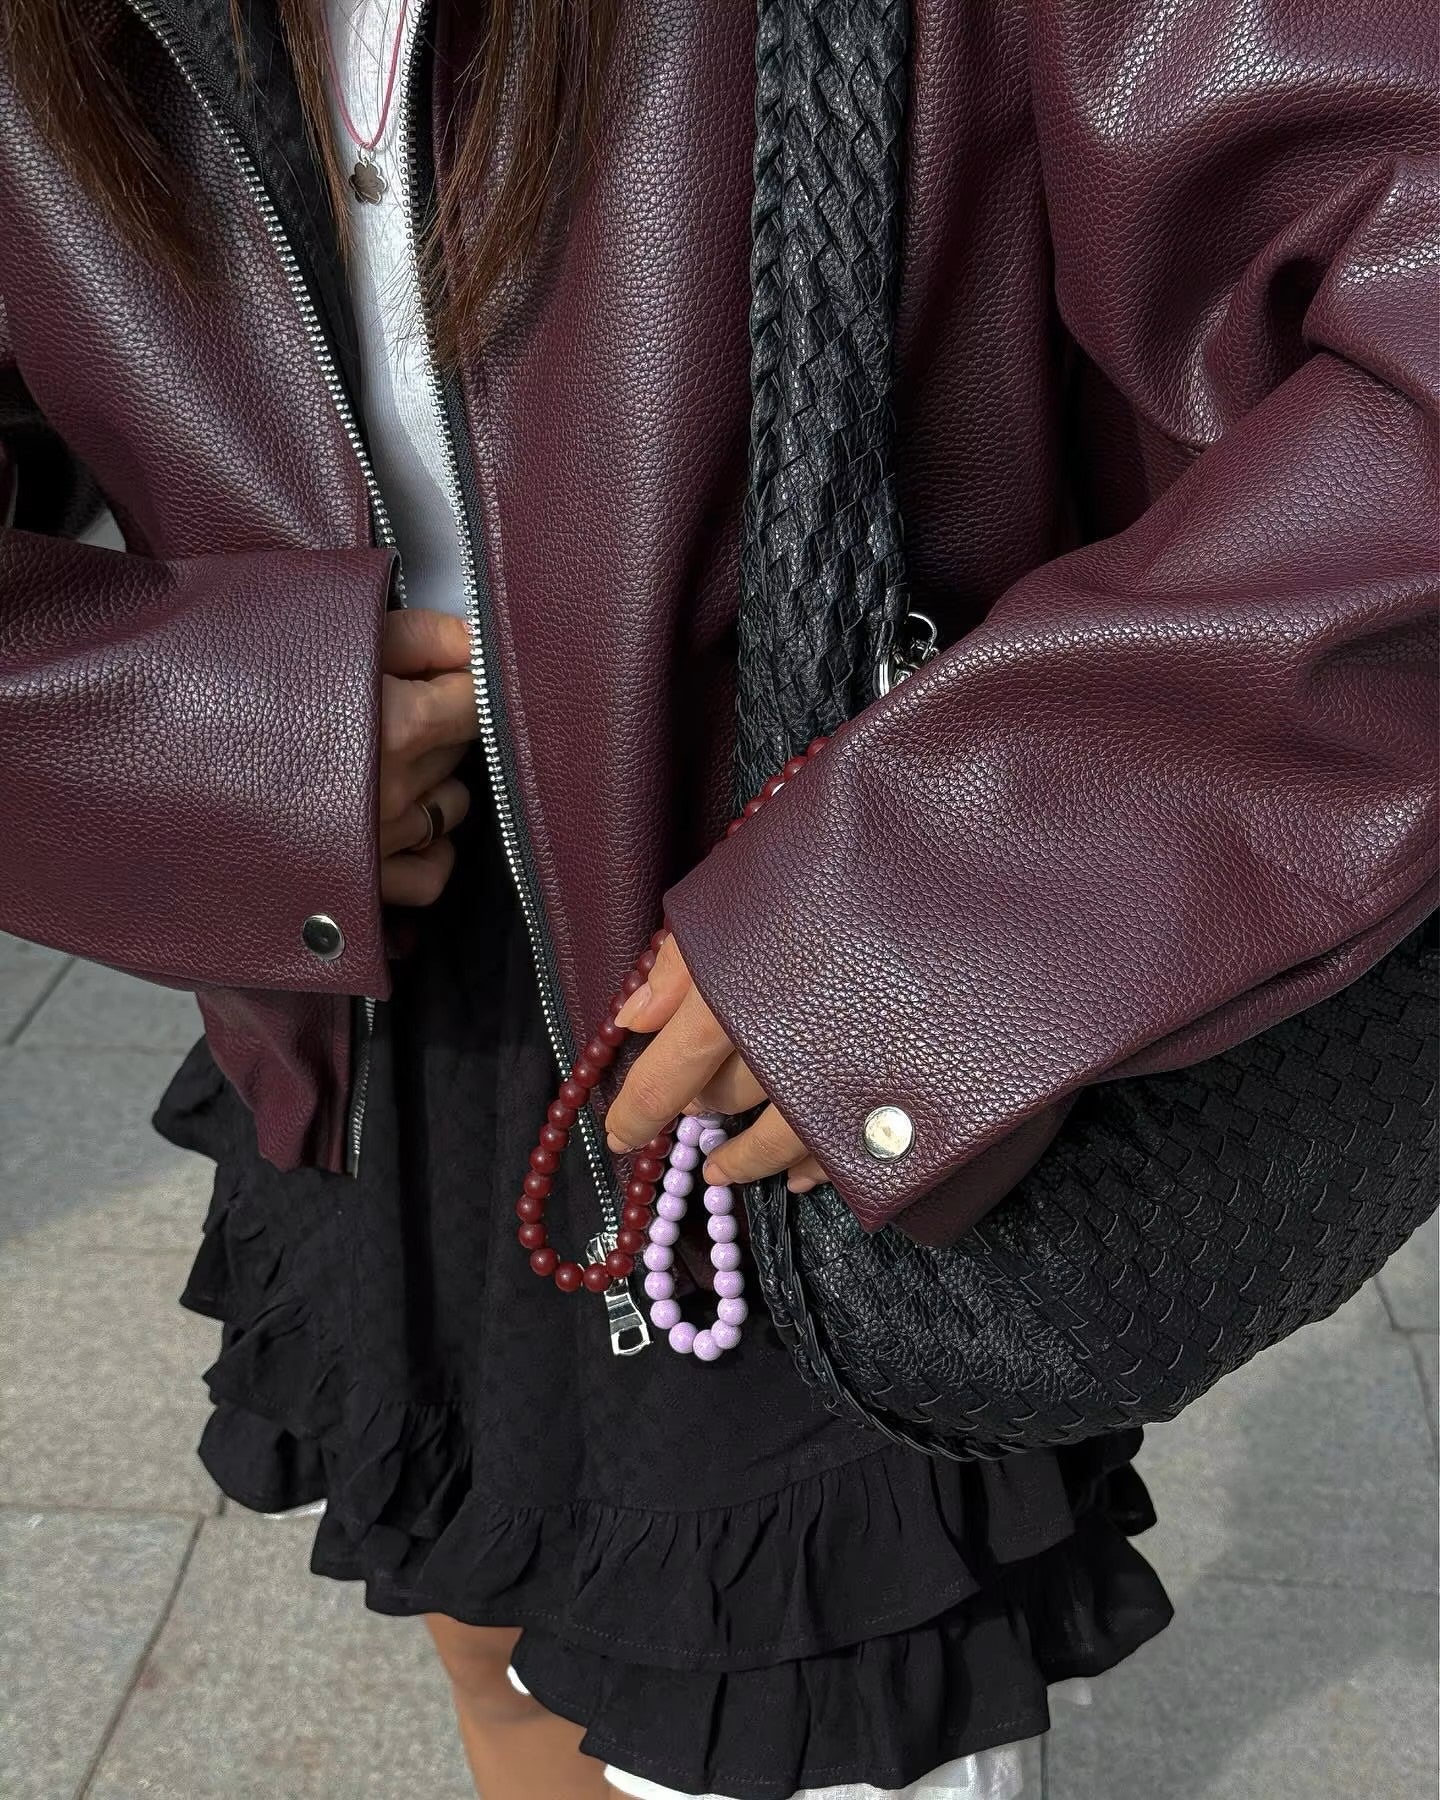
{"x":361,"y":1087}
{"x":385,"y":535}
{"x":555,"y":1021}
{"x":160,"y":28}
{"x":384,"y":532}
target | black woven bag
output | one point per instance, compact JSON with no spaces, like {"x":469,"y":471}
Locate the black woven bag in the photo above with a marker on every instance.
{"x":1178,"y":1224}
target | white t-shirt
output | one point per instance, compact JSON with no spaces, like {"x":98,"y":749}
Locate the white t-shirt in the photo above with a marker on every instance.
{"x":412,"y":465}
{"x":400,"y":399}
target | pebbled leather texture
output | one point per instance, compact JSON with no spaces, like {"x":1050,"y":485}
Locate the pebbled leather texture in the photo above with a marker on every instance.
{"x":156,"y":675}
{"x":188,"y":729}
{"x":1180,"y":1224}
{"x":1164,"y":302}
{"x":1174,"y":1224}
{"x":1180,"y":782}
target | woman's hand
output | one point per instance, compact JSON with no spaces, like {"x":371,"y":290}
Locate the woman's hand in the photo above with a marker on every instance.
{"x":692,"y":1066}
{"x":427,"y":718}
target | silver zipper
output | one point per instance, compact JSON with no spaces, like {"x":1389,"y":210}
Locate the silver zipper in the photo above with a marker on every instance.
{"x":629,"y":1334}
{"x":384,"y":533}
{"x":160,"y":28}
{"x":359,"y":1089}
{"x":555,"y":1021}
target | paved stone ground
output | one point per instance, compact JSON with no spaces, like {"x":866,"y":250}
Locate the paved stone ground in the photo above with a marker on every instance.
{"x":157,"y":1645}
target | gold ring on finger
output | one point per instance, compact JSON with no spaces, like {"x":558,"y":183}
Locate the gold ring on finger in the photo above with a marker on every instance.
{"x":434,"y":824}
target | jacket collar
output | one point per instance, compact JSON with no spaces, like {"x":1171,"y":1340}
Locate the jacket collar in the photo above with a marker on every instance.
{"x":266,"y":114}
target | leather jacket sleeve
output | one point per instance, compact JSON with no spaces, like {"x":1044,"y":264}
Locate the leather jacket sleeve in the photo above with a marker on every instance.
{"x":151,"y":712}
{"x":1179,"y":783}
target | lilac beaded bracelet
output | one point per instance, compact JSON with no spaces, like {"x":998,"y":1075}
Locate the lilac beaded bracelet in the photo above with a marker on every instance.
{"x":696,"y":1137}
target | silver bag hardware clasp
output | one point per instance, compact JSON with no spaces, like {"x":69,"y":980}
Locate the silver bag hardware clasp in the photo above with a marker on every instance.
{"x":917,"y":642}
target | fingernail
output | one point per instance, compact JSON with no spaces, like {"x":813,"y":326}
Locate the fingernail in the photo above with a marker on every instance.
{"x":713,"y":1174}
{"x":616,"y":1144}
{"x":635,"y":1004}
{"x":800,"y":1184}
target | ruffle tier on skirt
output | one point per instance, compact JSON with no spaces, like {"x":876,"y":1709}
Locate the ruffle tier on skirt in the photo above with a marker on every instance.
{"x":733,"y":1591}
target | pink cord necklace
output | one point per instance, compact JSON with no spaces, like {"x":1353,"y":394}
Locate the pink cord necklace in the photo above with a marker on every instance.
{"x":366,"y":181}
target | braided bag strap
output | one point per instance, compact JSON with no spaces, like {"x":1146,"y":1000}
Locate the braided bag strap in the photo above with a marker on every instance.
{"x":1179,"y":1224}
{"x":822,"y":568}
{"x":822,"y":576}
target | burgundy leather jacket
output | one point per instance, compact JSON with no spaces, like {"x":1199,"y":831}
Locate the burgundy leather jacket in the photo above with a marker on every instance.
{"x":1167,"y":459}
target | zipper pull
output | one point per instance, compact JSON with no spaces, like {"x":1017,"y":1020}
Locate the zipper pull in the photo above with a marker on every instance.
{"x":629,"y":1334}
{"x":917,"y":642}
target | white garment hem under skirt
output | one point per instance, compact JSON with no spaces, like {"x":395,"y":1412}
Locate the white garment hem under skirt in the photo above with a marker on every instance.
{"x":997,"y":1774}
{"x":988,"y":1775}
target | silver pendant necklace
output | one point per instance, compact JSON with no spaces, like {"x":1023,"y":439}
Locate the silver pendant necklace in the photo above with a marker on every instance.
{"x":366,"y":182}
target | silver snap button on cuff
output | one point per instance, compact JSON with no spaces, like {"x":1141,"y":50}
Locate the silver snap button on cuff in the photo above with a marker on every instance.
{"x":323,"y":936}
{"x":889,"y":1132}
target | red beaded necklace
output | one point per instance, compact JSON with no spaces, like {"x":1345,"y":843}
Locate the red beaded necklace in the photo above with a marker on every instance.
{"x":560,"y":1117}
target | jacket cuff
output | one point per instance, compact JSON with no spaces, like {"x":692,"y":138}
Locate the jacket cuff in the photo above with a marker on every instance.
{"x":193,"y":763}
{"x":837,"y":1005}
{"x":837,"y":968}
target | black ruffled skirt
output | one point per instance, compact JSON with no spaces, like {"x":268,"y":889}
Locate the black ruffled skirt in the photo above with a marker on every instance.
{"x":732,"y":1590}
